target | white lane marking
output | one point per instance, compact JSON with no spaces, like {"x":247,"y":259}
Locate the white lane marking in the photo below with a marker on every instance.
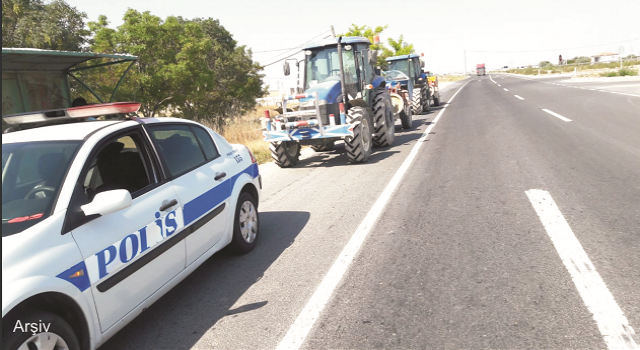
{"x":628,"y":94}
{"x":612,"y":323}
{"x":310,"y":313}
{"x":519,"y":97}
{"x":557,"y":115}
{"x":505,"y":89}
{"x":499,"y":85}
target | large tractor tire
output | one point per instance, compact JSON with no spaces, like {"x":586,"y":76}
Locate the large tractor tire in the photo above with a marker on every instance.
{"x":324,"y":146}
{"x":383,"y":121}
{"x":359,"y":146}
{"x":416,"y":103}
{"x":406,"y":117}
{"x":286,"y":154}
{"x":426,"y":99}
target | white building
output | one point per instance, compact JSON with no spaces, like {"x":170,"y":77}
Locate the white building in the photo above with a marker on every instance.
{"x":605,"y":57}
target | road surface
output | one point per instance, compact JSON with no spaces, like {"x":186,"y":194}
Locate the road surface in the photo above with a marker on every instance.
{"x":516,"y":225}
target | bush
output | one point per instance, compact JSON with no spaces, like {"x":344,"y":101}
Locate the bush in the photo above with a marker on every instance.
{"x":627,"y":71}
{"x":609,"y":74}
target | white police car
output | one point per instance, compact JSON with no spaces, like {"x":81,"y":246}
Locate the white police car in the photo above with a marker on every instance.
{"x":101,"y":218}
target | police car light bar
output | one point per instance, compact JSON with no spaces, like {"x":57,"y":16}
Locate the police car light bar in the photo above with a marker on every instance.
{"x":103,"y":109}
{"x":73,"y":112}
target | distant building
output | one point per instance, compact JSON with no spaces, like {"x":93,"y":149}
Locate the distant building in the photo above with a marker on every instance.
{"x":605,"y":57}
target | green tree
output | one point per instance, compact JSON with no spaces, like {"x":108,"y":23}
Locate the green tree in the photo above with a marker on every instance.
{"x":187,"y":68}
{"x":32,"y":23}
{"x":369,"y":33}
{"x":400,"y":47}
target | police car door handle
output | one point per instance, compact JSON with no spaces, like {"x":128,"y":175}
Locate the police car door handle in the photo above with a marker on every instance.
{"x":219,"y":176}
{"x":168,"y":204}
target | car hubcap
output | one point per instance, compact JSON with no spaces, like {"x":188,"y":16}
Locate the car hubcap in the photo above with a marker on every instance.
{"x":44,"y":341}
{"x":248,"y":221}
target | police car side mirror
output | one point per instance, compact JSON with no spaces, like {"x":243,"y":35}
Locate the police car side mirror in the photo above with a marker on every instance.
{"x":108,"y":202}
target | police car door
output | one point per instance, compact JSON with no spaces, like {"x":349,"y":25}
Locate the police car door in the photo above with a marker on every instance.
{"x":131,"y":253}
{"x":201,"y":177}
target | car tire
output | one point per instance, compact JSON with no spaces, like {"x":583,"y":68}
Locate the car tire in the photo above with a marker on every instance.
{"x":359,"y":146}
{"x":59,"y":332}
{"x":416,"y":103}
{"x":286,"y":154}
{"x":246,"y":225}
{"x":383,"y":121}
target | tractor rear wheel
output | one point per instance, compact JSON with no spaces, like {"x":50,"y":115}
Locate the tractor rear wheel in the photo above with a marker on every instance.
{"x":359,"y":146}
{"x":416,"y":103}
{"x":436,"y":99}
{"x":383,"y":121}
{"x":324,"y":146}
{"x":286,"y":154}
{"x":426,"y":99}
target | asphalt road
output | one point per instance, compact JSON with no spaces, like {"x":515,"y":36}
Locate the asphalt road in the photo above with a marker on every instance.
{"x":458,"y":257}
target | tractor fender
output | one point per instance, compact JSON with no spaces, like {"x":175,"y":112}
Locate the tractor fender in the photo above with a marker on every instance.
{"x":378,"y":82}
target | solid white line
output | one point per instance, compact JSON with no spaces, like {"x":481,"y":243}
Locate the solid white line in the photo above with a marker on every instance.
{"x":519,"y":97}
{"x":505,"y":89}
{"x":300,"y":328}
{"x":629,"y":94}
{"x":556,"y":115}
{"x":612,"y":323}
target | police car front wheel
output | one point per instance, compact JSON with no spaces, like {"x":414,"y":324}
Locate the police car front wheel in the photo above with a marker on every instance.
{"x":245,"y":224}
{"x":39,"y":330}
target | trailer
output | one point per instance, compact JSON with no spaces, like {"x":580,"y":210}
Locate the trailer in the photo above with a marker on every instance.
{"x":480,"y":69}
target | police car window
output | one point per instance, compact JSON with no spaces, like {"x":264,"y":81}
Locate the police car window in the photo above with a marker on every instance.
{"x":178,"y":147}
{"x":207,"y":144}
{"x":118,"y":165}
{"x":32,"y":175}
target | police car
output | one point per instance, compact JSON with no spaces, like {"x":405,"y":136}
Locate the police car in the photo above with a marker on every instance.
{"x":101,"y":218}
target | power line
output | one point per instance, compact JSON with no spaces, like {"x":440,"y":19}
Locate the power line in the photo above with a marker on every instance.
{"x":572,"y":48}
{"x":280,"y":60}
{"x":291,"y":48}
{"x":297,"y":47}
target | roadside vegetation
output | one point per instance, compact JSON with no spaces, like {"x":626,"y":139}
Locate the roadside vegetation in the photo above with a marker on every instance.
{"x":583,"y":65}
{"x":451,"y":78}
{"x":620,"y":73}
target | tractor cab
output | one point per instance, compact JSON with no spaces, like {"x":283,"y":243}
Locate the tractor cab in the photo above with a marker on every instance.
{"x":412,"y":67}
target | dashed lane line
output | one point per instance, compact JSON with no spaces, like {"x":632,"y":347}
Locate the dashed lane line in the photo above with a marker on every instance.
{"x":519,"y":97}
{"x":557,"y":115}
{"x":303,"y":324}
{"x":609,"y":317}
{"x":505,"y":89}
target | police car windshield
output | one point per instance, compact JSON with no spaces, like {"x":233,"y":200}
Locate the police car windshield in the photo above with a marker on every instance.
{"x":32,"y":174}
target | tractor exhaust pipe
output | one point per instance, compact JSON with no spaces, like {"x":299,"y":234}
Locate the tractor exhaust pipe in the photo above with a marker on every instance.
{"x":344,"y":95}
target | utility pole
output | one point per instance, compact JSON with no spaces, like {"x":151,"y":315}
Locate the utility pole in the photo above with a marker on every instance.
{"x":464,"y":71}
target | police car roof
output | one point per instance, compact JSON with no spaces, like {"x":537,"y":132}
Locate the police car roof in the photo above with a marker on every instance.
{"x":402,"y":57}
{"x":62,"y":132}
{"x":331,"y":42}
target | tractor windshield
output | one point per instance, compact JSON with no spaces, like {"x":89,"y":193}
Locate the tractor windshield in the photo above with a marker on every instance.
{"x":394,"y":75}
{"x":323,"y":65}
{"x":401,"y":65}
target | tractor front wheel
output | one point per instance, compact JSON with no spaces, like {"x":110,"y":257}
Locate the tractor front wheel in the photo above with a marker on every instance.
{"x":286,"y":154}
{"x":406,"y":117}
{"x":426,"y":99}
{"x":324,"y":146}
{"x":359,"y":146}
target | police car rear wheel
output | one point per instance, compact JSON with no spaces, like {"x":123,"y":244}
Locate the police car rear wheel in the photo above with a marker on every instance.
{"x":50,"y":332}
{"x":246,"y":224}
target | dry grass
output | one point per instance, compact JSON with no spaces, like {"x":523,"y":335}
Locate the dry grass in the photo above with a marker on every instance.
{"x":246,"y":130}
{"x":451,"y":78}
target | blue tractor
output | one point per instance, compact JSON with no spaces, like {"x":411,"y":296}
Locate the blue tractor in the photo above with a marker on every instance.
{"x":412,"y":67}
{"x":343,"y":98}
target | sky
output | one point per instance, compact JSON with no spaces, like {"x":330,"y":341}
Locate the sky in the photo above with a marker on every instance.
{"x":448,"y":32}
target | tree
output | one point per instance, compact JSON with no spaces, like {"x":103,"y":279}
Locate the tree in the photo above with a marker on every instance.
{"x":544,"y":64}
{"x":187,"y":68}
{"x":369,"y":33}
{"x":400,"y":47}
{"x":34,"y":24}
